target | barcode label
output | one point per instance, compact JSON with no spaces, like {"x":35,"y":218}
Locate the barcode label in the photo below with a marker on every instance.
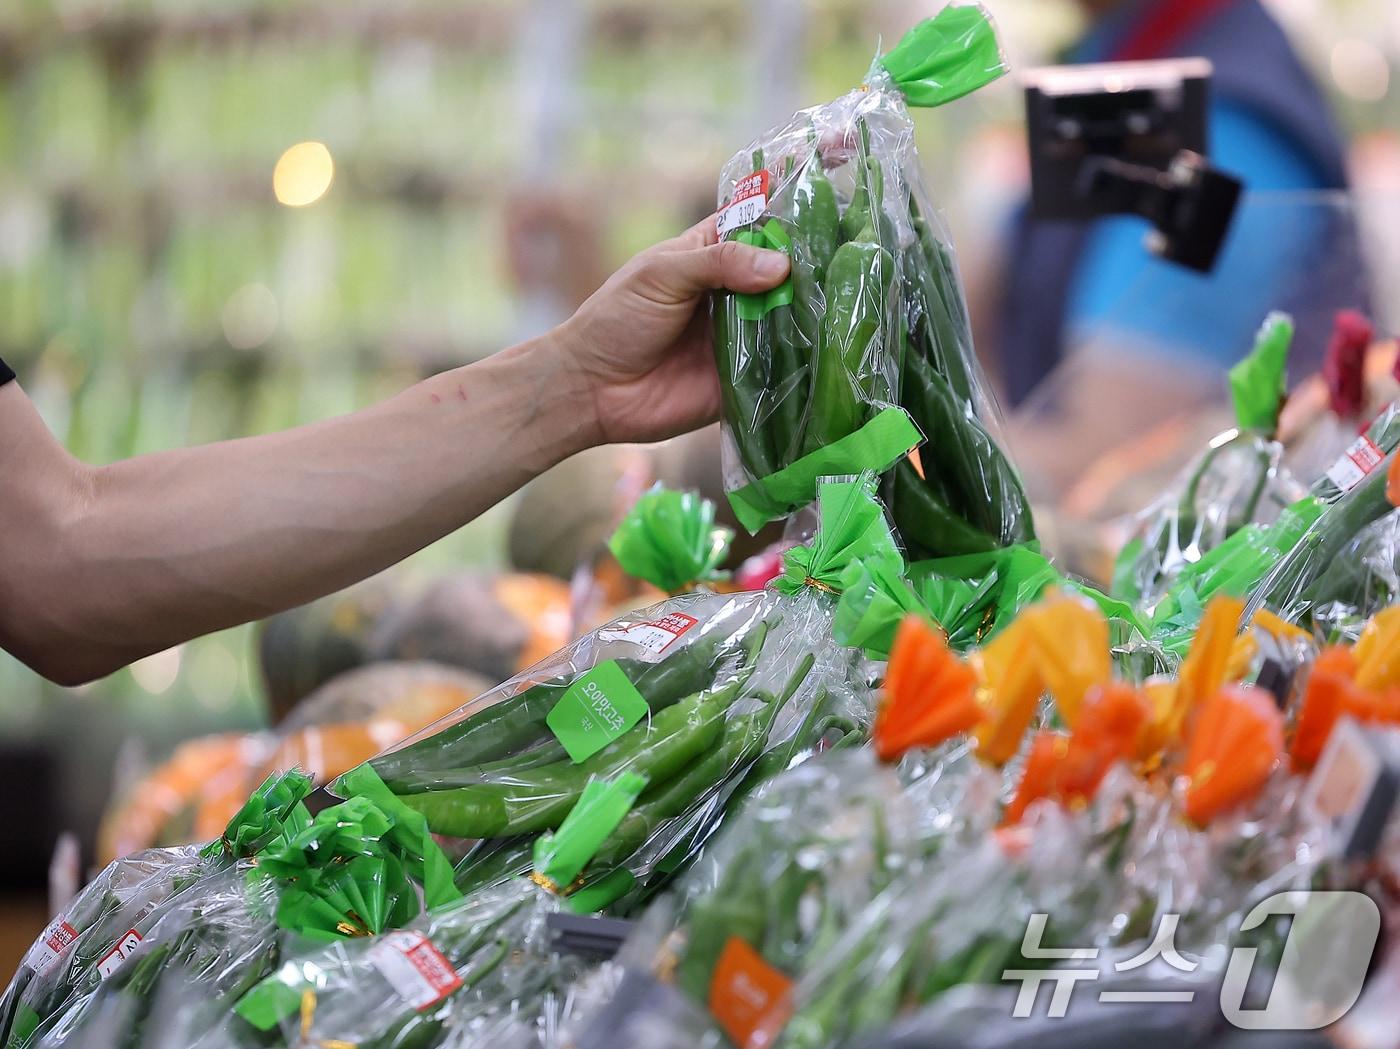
{"x":1355,"y":463}
{"x":52,"y":945}
{"x":120,"y":952}
{"x":414,"y":968}
{"x":656,"y":636}
{"x":749,"y":203}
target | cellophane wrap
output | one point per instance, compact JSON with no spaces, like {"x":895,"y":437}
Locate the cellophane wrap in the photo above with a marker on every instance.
{"x":479,"y":973}
{"x":178,"y":986}
{"x":62,"y":965}
{"x":866,"y":350}
{"x":789,"y":873}
{"x":1341,"y":559}
{"x":1105,"y":878}
{"x":702,"y":695}
{"x":1237,"y":481}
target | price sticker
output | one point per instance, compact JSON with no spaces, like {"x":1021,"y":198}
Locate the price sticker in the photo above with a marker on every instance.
{"x":416,"y":970}
{"x":123,"y":949}
{"x":748,"y":205}
{"x":1356,"y":463}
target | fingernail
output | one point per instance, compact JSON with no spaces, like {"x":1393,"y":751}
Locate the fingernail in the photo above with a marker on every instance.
{"x":770,"y":264}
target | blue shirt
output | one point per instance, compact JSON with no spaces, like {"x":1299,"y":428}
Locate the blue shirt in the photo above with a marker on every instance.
{"x":1210,"y":316}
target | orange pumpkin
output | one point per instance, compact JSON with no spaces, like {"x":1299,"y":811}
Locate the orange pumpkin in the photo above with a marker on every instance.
{"x":1237,"y":741}
{"x":197,"y":769}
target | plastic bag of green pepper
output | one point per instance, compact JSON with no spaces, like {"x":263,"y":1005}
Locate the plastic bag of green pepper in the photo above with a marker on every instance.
{"x":689,"y":694}
{"x":96,"y":932}
{"x":1236,"y":482}
{"x":865,"y":352}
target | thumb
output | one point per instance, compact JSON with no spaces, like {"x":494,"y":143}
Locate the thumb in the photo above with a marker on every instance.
{"x":738,"y":267}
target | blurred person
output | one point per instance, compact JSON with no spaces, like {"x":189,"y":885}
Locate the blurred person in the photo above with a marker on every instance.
{"x":1270,"y":126}
{"x":104,"y":565}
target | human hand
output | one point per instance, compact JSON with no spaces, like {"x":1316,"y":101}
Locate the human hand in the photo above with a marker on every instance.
{"x":640,"y":345}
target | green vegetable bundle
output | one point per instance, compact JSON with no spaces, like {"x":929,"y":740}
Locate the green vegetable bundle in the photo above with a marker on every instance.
{"x":114,"y":912}
{"x":688,"y":696}
{"x":169,"y":972}
{"x":1236,"y":482}
{"x":467,"y":974}
{"x":865,"y":352}
{"x":1337,"y":574}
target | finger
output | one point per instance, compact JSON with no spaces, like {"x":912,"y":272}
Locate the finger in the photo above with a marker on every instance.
{"x":698,"y":236}
{"x":738,"y":267}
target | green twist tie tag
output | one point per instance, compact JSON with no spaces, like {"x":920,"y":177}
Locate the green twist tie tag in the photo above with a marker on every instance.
{"x":754,"y":306}
{"x":595,"y":710}
{"x":670,"y":539}
{"x":270,"y":812}
{"x":946,"y":57}
{"x":1258,"y":383}
{"x":875,"y":598}
{"x":423,"y":856}
{"x":269,"y":1003}
{"x":560,"y":855}
{"x":876,"y":446}
{"x":851,"y":527}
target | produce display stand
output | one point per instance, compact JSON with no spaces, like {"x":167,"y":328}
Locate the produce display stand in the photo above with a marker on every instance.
{"x":880,"y":795}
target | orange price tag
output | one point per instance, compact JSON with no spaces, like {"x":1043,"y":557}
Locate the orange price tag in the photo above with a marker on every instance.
{"x":750,"y":999}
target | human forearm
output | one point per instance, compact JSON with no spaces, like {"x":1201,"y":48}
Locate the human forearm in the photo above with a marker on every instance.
{"x":158,"y":549}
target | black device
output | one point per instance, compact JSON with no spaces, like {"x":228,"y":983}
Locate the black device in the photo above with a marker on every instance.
{"x":1131,"y":138}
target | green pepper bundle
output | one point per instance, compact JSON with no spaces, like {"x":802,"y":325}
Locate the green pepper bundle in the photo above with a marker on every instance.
{"x":697,"y":692}
{"x":865,"y":352}
{"x":1237,"y":481}
{"x":1333,"y":578}
{"x":74,"y":954}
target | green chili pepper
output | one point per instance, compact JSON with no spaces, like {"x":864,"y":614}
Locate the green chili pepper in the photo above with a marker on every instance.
{"x":743,"y":356}
{"x":735,"y":910}
{"x":934,"y":333}
{"x":1303,"y":571}
{"x":987,"y":491}
{"x":848,"y":377}
{"x":816,"y":218}
{"x":499,"y":732}
{"x":540,"y":798}
{"x":929,"y":528}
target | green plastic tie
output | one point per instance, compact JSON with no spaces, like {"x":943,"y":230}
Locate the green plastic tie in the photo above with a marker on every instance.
{"x":670,"y":539}
{"x":876,"y":446}
{"x":559,"y":856}
{"x":851,"y":527}
{"x":946,"y":57}
{"x":754,"y":306}
{"x":1258,"y":382}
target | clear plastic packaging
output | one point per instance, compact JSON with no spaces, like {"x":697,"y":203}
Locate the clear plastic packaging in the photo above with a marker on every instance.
{"x":865,"y":352}
{"x":1237,"y":481}
{"x":1314,"y":583}
{"x":178,"y":985}
{"x":63,"y":964}
{"x":698,"y":695}
{"x":479,"y":973}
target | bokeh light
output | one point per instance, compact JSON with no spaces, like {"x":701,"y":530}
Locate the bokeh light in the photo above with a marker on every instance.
{"x":1360,"y":70}
{"x":250,"y":316}
{"x":156,"y":673}
{"x":303,"y":174}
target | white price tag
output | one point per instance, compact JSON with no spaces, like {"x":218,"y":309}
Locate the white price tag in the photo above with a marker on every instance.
{"x":654,"y":637}
{"x":749,"y":203}
{"x":414,"y":968}
{"x":1355,"y":463}
{"x":52,"y":945}
{"x":120,"y":952}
